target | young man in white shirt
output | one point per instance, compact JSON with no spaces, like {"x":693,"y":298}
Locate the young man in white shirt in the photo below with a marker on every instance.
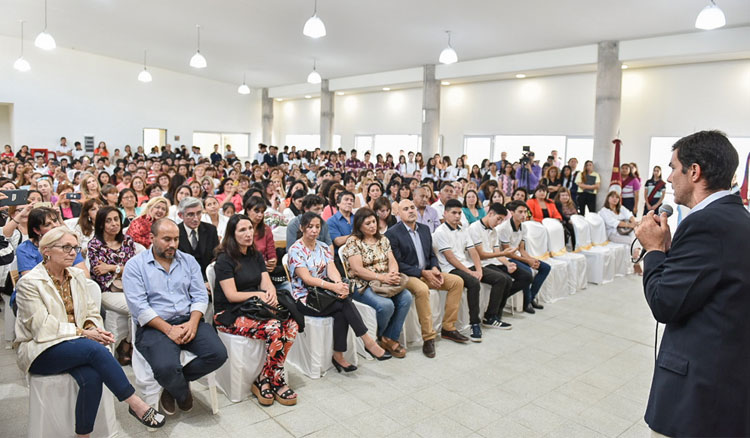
{"x":456,"y":254}
{"x":446,"y":193}
{"x":498,"y":270}
{"x":63,"y":149}
{"x":511,"y":236}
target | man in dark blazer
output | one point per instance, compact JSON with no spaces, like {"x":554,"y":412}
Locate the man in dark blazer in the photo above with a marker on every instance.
{"x":197,"y":238}
{"x":421,"y":266}
{"x":698,"y":284}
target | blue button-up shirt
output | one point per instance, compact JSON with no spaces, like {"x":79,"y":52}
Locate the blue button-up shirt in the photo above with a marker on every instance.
{"x":338,"y":226}
{"x":429,"y":218}
{"x":151,"y":291}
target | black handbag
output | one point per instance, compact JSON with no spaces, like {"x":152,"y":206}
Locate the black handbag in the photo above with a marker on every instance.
{"x":319,"y":299}
{"x":253,"y":308}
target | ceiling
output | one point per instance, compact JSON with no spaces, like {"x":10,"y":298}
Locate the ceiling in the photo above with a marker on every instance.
{"x":264,"y":40}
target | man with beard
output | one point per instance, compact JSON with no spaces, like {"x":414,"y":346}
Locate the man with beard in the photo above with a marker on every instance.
{"x":167,"y":297}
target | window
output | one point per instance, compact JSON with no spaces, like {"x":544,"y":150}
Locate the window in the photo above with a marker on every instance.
{"x":240,"y":142}
{"x":154,"y":137}
{"x":477,"y":149}
{"x":581,"y":148}
{"x":363,"y":143}
{"x":309,"y":141}
{"x":394,"y":143}
{"x":541,"y":145}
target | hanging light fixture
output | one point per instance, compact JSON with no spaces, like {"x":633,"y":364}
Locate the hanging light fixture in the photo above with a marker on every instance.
{"x":711,"y":17}
{"x":198,"y":60}
{"x":243,"y":89}
{"x":144,"y":75}
{"x":314,"y":27}
{"x":22,"y":64}
{"x":44,"y":40}
{"x":448,"y":55}
{"x":314,"y":76}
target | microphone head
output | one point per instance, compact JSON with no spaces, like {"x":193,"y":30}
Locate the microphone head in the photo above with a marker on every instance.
{"x":666,"y":208}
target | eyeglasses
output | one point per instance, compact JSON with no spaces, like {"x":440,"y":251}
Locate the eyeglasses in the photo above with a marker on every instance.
{"x":68,"y":248}
{"x":191,"y":215}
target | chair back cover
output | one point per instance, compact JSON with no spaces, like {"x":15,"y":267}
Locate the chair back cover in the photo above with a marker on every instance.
{"x":535,"y":236}
{"x":582,"y":231}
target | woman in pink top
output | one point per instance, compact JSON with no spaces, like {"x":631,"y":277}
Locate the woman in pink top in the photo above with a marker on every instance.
{"x":228,"y":193}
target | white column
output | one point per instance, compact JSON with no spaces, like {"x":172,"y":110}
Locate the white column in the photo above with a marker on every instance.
{"x":326,"y":117}
{"x":607,"y":113}
{"x":267,"y":111}
{"x":430,"y":112}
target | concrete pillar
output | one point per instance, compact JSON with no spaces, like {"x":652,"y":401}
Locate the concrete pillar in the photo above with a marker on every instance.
{"x":430,"y":112}
{"x":607,"y":113}
{"x":326,"y":117}
{"x":267,"y":110}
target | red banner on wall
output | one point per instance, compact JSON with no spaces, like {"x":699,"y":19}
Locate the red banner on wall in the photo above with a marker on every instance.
{"x":743,"y":189}
{"x":616,"y":179}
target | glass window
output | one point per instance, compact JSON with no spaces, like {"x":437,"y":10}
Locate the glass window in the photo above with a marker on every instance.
{"x":206,"y":141}
{"x":240,"y":142}
{"x":581,"y":148}
{"x":363,"y":143}
{"x":309,"y":141}
{"x":394,"y":143}
{"x":477,"y":149}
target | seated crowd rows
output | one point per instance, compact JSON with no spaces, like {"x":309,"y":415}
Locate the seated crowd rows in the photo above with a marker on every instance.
{"x":149,"y":228}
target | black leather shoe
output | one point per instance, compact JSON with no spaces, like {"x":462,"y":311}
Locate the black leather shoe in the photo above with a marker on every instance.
{"x":529,"y":309}
{"x":535,"y":304}
{"x":428,"y":348}
{"x":167,"y":402}
{"x":454,"y":336}
{"x":385,"y":356}
{"x":340,"y":367}
{"x":187,"y":405}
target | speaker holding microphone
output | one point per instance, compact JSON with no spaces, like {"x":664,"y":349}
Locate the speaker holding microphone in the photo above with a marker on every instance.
{"x":664,"y":208}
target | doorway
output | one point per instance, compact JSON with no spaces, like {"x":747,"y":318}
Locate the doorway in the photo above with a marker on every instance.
{"x":154,"y":137}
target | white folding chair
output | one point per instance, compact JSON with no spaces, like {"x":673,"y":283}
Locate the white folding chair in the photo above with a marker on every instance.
{"x":556,"y":285}
{"x":623,"y":265}
{"x":576,"y":262}
{"x":245,"y":357}
{"x":150,"y":388}
{"x":312,"y":351}
{"x":600,"y":261}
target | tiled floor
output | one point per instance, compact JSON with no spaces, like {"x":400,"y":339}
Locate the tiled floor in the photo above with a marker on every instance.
{"x":580,"y":368}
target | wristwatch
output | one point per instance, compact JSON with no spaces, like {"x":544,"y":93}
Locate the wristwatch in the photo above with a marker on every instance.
{"x":118,"y":270}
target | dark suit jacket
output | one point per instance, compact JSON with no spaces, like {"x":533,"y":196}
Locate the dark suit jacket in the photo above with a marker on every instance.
{"x":271,"y":160}
{"x":405,"y":252}
{"x":208,"y":240}
{"x":701,"y":290}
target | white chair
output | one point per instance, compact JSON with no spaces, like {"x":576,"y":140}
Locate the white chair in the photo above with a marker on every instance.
{"x":312,"y":351}
{"x":52,"y":402}
{"x":9,"y":318}
{"x":600,"y":261}
{"x":623,"y":265}
{"x":150,"y":388}
{"x":368,"y":313}
{"x":576,"y":262}
{"x":556,"y":285}
{"x":245,"y":358}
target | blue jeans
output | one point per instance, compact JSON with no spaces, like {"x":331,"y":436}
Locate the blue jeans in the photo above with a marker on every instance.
{"x":90,"y":364}
{"x":529,"y":293}
{"x":390,"y":312}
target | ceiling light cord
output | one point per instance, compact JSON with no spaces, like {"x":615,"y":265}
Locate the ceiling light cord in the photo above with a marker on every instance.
{"x":199,"y":36}
{"x":45,"y":15}
{"x":21,"y":38}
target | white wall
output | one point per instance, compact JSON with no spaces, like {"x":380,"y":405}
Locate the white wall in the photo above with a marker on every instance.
{"x":661,"y":101}
{"x":6,"y":131}
{"x":71,"y":93}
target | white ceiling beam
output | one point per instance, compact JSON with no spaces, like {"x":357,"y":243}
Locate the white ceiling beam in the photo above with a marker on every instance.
{"x":709,"y":44}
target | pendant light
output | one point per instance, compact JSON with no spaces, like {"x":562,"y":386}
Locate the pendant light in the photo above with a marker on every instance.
{"x":243,"y":89}
{"x":44,"y":40}
{"x":448,"y":55}
{"x":198,"y":60}
{"x":314,"y":76}
{"x":314,"y":27}
{"x":711,"y":17}
{"x":22,"y":64}
{"x":144,"y":75}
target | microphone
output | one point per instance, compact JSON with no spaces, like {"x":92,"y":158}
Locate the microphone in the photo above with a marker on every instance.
{"x":664,"y":208}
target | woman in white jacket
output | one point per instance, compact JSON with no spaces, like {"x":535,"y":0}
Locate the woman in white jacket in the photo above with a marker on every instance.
{"x":58,"y":330}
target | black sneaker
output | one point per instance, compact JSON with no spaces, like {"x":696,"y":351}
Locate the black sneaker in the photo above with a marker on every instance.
{"x":476,"y":333}
{"x":505,"y":326}
{"x":529,"y":309}
{"x":491,"y":322}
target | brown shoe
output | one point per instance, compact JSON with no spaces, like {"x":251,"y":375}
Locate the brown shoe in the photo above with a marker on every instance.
{"x":454,"y":336}
{"x":187,"y":405}
{"x":428,"y":348}
{"x":167,"y":402}
{"x":392,"y":347}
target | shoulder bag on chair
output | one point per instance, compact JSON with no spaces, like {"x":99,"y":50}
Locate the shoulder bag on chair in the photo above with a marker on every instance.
{"x":319,"y":299}
{"x":389,"y":290}
{"x":253,"y":308}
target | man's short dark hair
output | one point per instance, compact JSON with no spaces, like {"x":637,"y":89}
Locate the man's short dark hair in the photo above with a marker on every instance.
{"x":713,"y":152}
{"x":78,"y":143}
{"x":156,"y":226}
{"x":342,"y":194}
{"x":453,"y":203}
{"x":513,"y":205}
{"x":311,"y":201}
{"x":498,"y":208}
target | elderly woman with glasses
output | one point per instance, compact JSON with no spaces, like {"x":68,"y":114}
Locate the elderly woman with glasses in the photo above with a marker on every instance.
{"x":40,"y":221}
{"x":59,"y":331}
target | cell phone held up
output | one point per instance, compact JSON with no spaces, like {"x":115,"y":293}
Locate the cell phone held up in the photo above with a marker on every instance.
{"x":14,"y":197}
{"x":73,"y":196}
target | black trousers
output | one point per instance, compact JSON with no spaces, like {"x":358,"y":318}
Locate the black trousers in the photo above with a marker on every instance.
{"x":586,"y":200}
{"x":344,"y":315}
{"x":520,"y":280}
{"x":570,"y":233}
{"x":472,"y":293}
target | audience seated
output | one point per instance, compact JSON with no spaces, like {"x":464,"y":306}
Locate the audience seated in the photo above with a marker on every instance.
{"x":84,"y":226}
{"x":65,"y":335}
{"x":372,"y":268}
{"x":411,"y":243}
{"x":41,"y":220}
{"x":212,"y":215}
{"x":425,"y":213}
{"x":197,"y":238}
{"x":311,"y":266}
{"x":567,"y":207}
{"x":619,"y":222}
{"x":140,"y":227}
{"x":314,"y":204}
{"x":511,"y":237}
{"x":255,"y":207}
{"x":541,"y":207}
{"x":109,"y":250}
{"x":241,"y":274}
{"x":167,"y":297}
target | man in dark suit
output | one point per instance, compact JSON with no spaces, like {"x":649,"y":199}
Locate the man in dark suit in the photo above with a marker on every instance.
{"x":197,"y":238}
{"x":411,"y":243}
{"x":698,"y":284}
{"x":271,"y":157}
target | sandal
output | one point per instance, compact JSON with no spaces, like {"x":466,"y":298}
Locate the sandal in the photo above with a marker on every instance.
{"x":124,"y":353}
{"x":393,"y":347}
{"x":152,"y":419}
{"x":265,"y":396}
{"x":288,"y":397}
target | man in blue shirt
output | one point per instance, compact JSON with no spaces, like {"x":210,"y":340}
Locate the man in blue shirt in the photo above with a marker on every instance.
{"x":340,"y":224}
{"x":167,"y":297}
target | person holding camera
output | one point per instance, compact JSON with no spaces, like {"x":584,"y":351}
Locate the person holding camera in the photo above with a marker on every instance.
{"x":529,"y":174}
